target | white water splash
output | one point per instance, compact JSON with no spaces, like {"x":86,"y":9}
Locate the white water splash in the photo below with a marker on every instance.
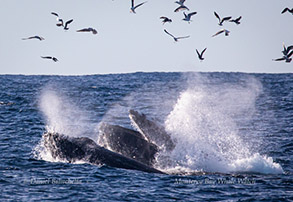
{"x":203,"y":124}
{"x":62,"y":116}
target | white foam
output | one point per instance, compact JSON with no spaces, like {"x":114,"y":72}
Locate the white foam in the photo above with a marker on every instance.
{"x":203,"y":124}
{"x":256,"y":164}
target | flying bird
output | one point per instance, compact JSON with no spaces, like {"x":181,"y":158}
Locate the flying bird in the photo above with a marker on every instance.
{"x":286,"y":50}
{"x":200,"y":55}
{"x":56,"y":14}
{"x":88,"y":30}
{"x":286,"y":57}
{"x":180,"y":2}
{"x":133,"y":7}
{"x":237,"y":20}
{"x":50,"y":58}
{"x":287,"y":9}
{"x":227,"y":32}
{"x":165,"y":19}
{"x":175,"y":38}
{"x":181,"y":8}
{"x":222,"y":20}
{"x":187,"y":17}
{"x":60,"y":22}
{"x":34,"y":37}
{"x":67,"y":23}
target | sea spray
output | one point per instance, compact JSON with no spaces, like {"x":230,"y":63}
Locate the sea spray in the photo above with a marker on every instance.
{"x":63,"y":116}
{"x":204,"y":124}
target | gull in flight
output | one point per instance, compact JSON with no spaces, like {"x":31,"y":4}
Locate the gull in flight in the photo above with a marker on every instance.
{"x":200,"y":55}
{"x":175,"y":38}
{"x":133,"y":7}
{"x":286,"y":50}
{"x":88,"y":30}
{"x":60,"y":22}
{"x":286,"y":54}
{"x":237,"y":20}
{"x":187,"y":17}
{"x":221,"y":20}
{"x":287,"y":9}
{"x":181,"y":6}
{"x":180,"y":2}
{"x":227,"y":32}
{"x":34,"y":37}
{"x":165,"y":19}
{"x":67,"y":23}
{"x":50,"y":58}
{"x":286,"y":57}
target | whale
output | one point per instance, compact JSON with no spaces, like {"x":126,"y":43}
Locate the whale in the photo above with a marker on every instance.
{"x":116,"y":146}
{"x":152,"y":131}
{"x":127,"y":142}
{"x":72,"y":149}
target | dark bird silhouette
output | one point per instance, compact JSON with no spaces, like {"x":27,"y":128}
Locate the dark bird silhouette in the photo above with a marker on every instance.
{"x":286,"y":50}
{"x":287,"y":10}
{"x":175,"y":38}
{"x":187,"y":17}
{"x":67,"y":23}
{"x":133,"y":7}
{"x":34,"y":37}
{"x":50,"y":58}
{"x":181,"y":6}
{"x":200,"y":55}
{"x":180,"y":2}
{"x":227,"y":32}
{"x":286,"y":57}
{"x":222,"y":20}
{"x":165,"y":19}
{"x":88,"y":30}
{"x":60,"y":22}
{"x":237,"y":20}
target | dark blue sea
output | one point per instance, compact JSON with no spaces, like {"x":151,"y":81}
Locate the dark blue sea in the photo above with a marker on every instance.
{"x":233,"y":134}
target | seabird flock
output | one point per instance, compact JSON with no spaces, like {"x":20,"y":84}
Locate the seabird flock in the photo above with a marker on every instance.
{"x":287,"y":51}
{"x":60,"y":23}
{"x":187,"y":18}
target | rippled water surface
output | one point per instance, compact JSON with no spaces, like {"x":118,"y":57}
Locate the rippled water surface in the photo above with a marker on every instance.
{"x":233,"y":135}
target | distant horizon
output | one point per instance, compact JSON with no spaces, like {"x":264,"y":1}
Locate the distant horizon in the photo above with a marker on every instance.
{"x":21,"y":74}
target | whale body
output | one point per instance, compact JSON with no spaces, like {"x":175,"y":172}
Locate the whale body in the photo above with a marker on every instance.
{"x":128,"y":143}
{"x":116,"y":146}
{"x":74,"y":149}
{"x":152,"y":131}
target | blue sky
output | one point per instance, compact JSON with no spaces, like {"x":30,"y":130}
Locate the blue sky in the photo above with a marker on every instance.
{"x":128,"y":42}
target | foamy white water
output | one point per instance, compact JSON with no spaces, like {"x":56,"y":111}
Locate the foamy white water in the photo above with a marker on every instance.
{"x":202,"y":122}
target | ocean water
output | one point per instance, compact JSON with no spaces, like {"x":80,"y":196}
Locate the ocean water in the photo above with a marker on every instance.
{"x":233,"y":134}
